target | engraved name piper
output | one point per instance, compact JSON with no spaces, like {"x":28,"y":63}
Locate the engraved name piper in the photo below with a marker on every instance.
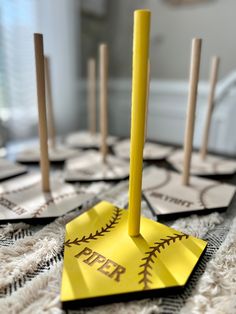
{"x":171,"y":199}
{"x":102,"y":264}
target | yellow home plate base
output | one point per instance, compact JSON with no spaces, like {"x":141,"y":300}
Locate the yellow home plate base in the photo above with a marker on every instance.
{"x":22,"y":198}
{"x":212,"y":165}
{"x":9,"y":169}
{"x":166,"y":195}
{"x":103,"y":263}
{"x":152,"y":151}
{"x":58,"y":154}
{"x":85,"y":139}
{"x":89,"y":167}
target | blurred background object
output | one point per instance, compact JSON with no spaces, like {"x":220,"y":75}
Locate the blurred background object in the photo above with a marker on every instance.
{"x":185,"y":2}
{"x":96,"y":8}
{"x":73,"y":30}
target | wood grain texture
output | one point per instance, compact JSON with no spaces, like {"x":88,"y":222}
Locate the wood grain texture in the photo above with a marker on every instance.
{"x":213,"y":81}
{"x":43,"y":133}
{"x":103,"y":58}
{"x":191,"y":107}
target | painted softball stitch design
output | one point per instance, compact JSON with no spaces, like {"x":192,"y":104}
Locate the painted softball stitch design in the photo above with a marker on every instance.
{"x":146,"y":267}
{"x":116,"y":216}
{"x":203,"y":193}
{"x":161,"y":184}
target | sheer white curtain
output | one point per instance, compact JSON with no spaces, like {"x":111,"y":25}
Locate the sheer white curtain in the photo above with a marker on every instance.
{"x":59,"y":21}
{"x":17,"y":22}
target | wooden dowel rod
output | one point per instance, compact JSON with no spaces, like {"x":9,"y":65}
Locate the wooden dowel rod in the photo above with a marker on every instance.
{"x":51,"y":120}
{"x":213,"y":81}
{"x":139,"y":101}
{"x":147,"y":100}
{"x":91,"y":96}
{"x":191,"y":107}
{"x":43,"y":136}
{"x":103,"y":57}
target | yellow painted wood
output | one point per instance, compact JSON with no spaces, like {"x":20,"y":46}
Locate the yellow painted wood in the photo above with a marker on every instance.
{"x":101,"y":259}
{"x":139,"y":95}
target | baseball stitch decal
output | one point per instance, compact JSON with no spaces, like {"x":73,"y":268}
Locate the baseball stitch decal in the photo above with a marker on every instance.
{"x":52,"y":200}
{"x":160,"y":185}
{"x":149,"y":259}
{"x":111,"y":224}
{"x":204,"y":192}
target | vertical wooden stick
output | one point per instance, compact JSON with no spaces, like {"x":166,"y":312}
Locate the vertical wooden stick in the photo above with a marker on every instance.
{"x":213,"y":81}
{"x":43,"y":136}
{"x":139,"y":102}
{"x":191,"y":108}
{"x":51,"y":120}
{"x":148,"y":90}
{"x":103,"y":57}
{"x":91,"y":95}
